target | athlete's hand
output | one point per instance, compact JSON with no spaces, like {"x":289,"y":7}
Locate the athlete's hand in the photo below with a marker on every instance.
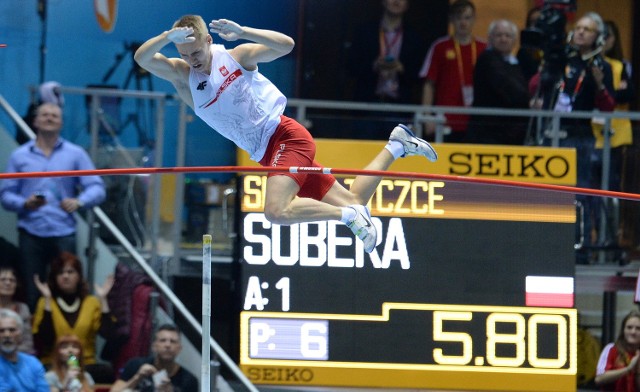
{"x":180,"y":35}
{"x":226,"y":29}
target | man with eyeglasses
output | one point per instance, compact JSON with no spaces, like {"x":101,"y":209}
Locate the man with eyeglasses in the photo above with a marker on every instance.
{"x":498,"y":82}
{"x":586,"y":85}
{"x":18,"y":371}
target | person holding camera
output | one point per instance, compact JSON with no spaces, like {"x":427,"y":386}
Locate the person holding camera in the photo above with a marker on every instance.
{"x":585,"y":85}
{"x":160,"y":372}
{"x":45,"y":206}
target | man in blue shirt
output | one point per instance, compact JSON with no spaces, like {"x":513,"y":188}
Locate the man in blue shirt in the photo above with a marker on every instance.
{"x":45,"y":206}
{"x":19,"y":371}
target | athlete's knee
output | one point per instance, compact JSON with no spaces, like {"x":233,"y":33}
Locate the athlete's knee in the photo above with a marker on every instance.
{"x":276,"y":215}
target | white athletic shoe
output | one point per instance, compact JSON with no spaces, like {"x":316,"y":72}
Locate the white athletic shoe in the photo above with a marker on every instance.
{"x":363,"y":227}
{"x":413,"y":145}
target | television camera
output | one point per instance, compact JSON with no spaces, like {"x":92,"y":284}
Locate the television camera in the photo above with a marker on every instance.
{"x":549,"y":35}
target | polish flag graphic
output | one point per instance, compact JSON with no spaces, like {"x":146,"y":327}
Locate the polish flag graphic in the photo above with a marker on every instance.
{"x":549,"y":291}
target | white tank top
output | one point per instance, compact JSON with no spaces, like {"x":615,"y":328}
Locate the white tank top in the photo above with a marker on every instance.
{"x":241,"y":105}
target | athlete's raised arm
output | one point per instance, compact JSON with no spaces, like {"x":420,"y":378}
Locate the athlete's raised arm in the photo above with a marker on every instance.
{"x":148,"y":55}
{"x":267,"y":45}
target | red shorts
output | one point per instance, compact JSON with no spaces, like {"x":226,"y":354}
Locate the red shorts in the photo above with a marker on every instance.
{"x":292,"y":145}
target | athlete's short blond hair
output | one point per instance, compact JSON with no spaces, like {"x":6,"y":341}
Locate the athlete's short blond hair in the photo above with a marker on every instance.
{"x":196,"y":22}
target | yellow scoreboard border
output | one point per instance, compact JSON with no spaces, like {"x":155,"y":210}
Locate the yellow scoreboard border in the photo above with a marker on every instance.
{"x":543,"y":165}
{"x":414,"y":375}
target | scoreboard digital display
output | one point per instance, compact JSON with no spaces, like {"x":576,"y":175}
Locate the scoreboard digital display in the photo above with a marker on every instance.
{"x":445,"y":301}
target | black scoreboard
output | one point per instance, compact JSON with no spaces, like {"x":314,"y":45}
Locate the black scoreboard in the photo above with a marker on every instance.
{"x":470,"y":287}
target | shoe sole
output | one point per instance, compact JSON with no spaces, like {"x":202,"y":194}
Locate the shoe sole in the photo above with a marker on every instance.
{"x":410,"y":132}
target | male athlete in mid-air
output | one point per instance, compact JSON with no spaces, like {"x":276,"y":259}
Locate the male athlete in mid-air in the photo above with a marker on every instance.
{"x":225,"y":89}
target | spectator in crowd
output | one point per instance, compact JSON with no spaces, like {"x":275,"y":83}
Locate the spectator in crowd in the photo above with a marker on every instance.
{"x":384,"y":61}
{"x":159,"y":370}
{"x":67,"y":308}
{"x":67,"y":373}
{"x":620,"y":138}
{"x":9,"y":284}
{"x":618,"y":364}
{"x":448,"y":69}
{"x":613,"y":50}
{"x":621,"y":135}
{"x":48,"y":92}
{"x":498,"y":82}
{"x":529,"y":57}
{"x":587,"y":84}
{"x":18,"y":371}
{"x":46,"y":206}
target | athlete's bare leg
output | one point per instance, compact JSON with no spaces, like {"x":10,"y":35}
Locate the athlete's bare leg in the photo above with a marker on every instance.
{"x":283,"y":208}
{"x":364,"y":187}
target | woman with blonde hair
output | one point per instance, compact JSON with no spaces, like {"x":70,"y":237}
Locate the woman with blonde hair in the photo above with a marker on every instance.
{"x":67,"y":372}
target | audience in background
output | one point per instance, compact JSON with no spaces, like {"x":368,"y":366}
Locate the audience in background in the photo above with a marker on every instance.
{"x":46,"y":206}
{"x":618,"y":368}
{"x":587,"y":84}
{"x":66,"y":307}
{"x":530,"y":58}
{"x":613,"y":50}
{"x":160,"y":370}
{"x":621,"y":135}
{"x":620,"y":139}
{"x":448,"y":69}
{"x":383,"y":63}
{"x":67,"y":372}
{"x":9,"y":284}
{"x":498,"y":82}
{"x":18,"y":371}
{"x":48,"y":92}
{"x":385,"y":57}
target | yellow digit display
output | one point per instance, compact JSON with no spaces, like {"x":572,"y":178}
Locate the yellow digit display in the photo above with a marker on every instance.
{"x":517,"y":339}
{"x":439,"y":335}
{"x":551,"y":319}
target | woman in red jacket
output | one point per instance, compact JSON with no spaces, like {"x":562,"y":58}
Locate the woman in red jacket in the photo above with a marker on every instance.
{"x":618,"y":365}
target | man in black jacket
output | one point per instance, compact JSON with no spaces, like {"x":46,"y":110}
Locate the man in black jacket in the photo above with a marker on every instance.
{"x":498,"y":82}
